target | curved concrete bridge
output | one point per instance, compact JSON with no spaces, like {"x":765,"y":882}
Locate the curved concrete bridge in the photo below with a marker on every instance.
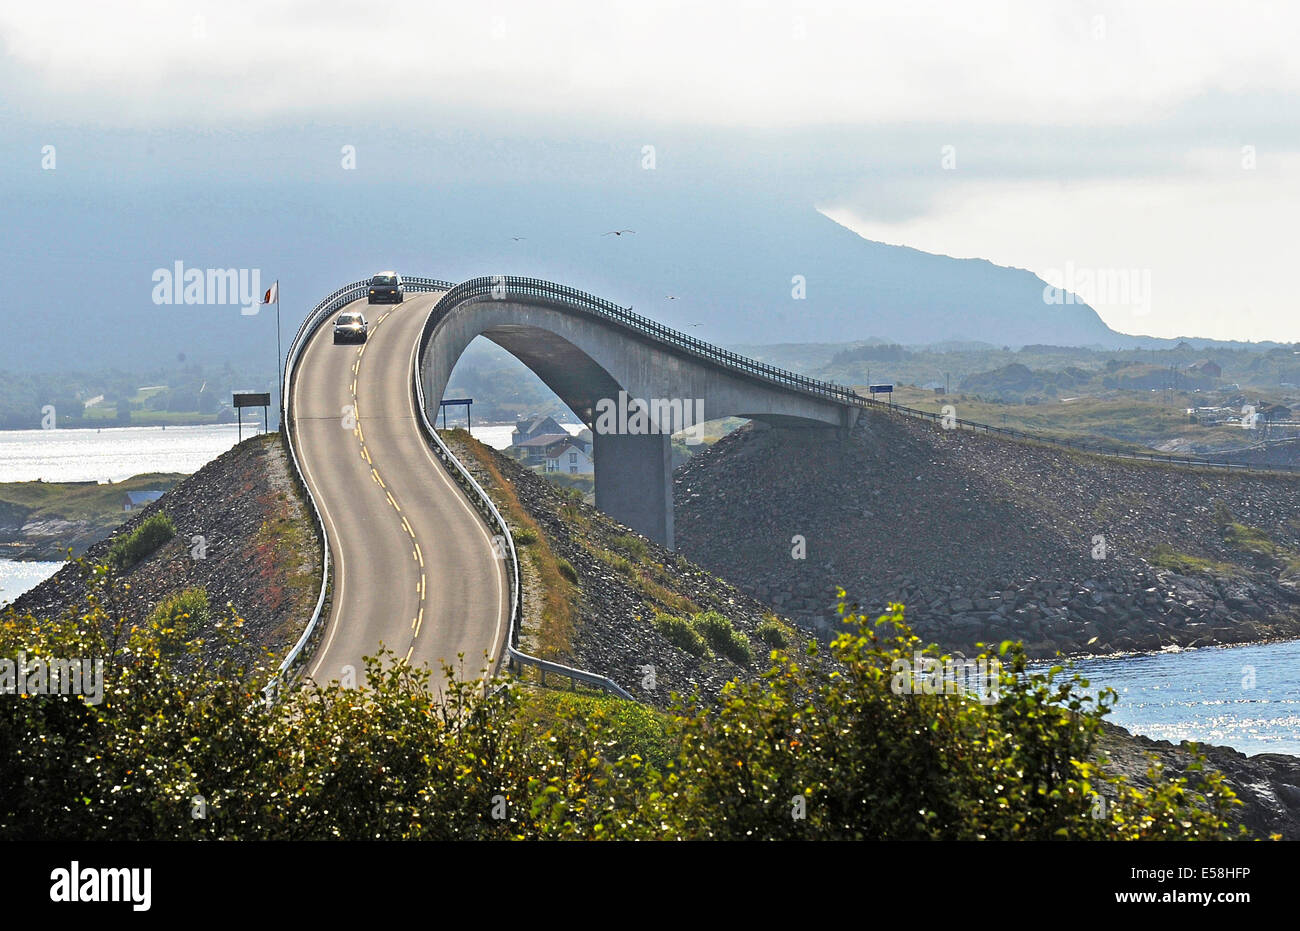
{"x":632,"y":381}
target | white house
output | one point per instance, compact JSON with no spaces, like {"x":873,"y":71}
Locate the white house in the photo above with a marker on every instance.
{"x":569,"y":458}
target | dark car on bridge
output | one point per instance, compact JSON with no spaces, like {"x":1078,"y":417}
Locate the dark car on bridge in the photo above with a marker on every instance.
{"x":386,"y":288}
{"x":350,"y":328}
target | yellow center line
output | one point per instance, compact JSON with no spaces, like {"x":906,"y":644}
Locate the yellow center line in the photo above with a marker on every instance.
{"x":419,"y":619}
{"x":410,"y":651}
{"x":419,"y":555}
{"x":421,"y":588}
{"x":408,"y":528}
{"x":392,"y":502}
{"x":354,"y":388}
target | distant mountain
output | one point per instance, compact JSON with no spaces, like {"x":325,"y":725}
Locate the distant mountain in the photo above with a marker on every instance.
{"x":81,"y":264}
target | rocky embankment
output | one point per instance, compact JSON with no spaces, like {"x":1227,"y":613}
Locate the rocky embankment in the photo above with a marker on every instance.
{"x":984,"y":539}
{"x":243,"y":534}
{"x":616,"y":603}
{"x":1267,"y":784}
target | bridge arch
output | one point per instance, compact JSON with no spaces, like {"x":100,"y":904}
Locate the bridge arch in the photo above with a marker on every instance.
{"x":588,"y":350}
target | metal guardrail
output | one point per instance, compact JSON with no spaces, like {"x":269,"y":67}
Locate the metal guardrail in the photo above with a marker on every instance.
{"x":319,"y":314}
{"x":496,"y":521}
{"x":502,"y":287}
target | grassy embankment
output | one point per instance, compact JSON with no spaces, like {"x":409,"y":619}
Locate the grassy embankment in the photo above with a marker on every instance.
{"x":557,"y":577}
{"x":95,"y":509}
{"x":1130,"y":422}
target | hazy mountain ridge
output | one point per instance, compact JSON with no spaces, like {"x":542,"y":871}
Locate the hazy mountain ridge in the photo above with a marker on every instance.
{"x":729,"y":263}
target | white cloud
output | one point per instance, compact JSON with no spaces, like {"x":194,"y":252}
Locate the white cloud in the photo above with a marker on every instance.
{"x":1216,"y":244}
{"x":731,"y":63}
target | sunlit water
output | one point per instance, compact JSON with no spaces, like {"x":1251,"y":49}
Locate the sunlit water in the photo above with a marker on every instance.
{"x":498,"y":435}
{"x":111,"y":453}
{"x":18,"y":577}
{"x":1245,"y":697}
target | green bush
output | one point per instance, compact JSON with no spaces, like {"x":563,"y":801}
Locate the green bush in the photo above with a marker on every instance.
{"x":722,"y":636}
{"x":525,"y":537}
{"x":152,"y":532}
{"x":774,"y":632}
{"x":418,"y":760}
{"x":635,"y":547}
{"x":681,"y":634}
{"x":179,"y":618}
{"x":567,"y":570}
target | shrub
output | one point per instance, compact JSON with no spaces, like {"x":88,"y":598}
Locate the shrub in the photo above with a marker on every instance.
{"x":774,"y":632}
{"x":635,"y":547}
{"x":525,"y":537}
{"x":179,"y":618}
{"x":153,"y":532}
{"x":723,"y":637}
{"x":681,"y":634}
{"x":567,"y":570}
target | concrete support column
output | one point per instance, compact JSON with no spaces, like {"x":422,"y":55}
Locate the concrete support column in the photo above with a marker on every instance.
{"x":634,"y":482}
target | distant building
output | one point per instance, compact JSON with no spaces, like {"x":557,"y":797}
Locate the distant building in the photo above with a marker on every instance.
{"x":533,"y":451}
{"x":531,"y":429}
{"x":138,"y":499}
{"x":569,"y":458}
{"x":1206,"y":367}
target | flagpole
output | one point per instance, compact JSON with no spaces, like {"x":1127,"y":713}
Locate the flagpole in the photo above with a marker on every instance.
{"x":279,"y":366}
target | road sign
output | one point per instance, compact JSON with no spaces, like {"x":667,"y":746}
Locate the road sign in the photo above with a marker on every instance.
{"x":882,"y":389}
{"x":245,"y":399}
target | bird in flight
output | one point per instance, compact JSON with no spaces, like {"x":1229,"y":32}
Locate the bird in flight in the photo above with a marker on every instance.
{"x":617,"y":232}
{"x":518,"y":238}
{"x":670,"y":297}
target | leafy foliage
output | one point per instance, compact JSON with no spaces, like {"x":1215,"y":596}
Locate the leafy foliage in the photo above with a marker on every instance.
{"x":818,"y":749}
{"x":681,"y":634}
{"x":151,"y":533}
{"x":722,"y":636}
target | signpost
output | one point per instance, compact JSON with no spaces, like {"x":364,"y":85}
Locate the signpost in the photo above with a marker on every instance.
{"x":882,"y":389}
{"x":251,"y":399}
{"x":456,"y":401}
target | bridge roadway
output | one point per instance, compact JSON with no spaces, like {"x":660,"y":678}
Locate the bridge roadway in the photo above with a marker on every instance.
{"x":415,"y":567}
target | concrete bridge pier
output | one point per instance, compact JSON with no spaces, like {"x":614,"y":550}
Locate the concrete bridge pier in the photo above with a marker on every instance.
{"x":634,"y":482}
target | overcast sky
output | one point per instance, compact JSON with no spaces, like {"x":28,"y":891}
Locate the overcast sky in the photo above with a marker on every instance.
{"x":1159,"y":139}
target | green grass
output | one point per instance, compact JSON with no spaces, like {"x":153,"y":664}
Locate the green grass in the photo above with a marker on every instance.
{"x":98,"y":503}
{"x":719,"y":633}
{"x":1129,"y":422}
{"x":681,"y":634}
{"x":1166,"y":557}
{"x":634,"y":547}
{"x":1251,"y":539}
{"x":151,"y":533}
{"x":775,"y":633}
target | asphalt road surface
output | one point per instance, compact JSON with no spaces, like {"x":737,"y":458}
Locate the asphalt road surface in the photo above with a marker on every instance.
{"x":415,"y":567}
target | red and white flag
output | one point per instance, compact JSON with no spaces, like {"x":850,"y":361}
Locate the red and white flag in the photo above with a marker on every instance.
{"x":272,"y":293}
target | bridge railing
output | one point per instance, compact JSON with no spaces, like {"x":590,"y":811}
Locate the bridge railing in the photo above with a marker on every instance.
{"x":502,"y":287}
{"x":353,"y":291}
